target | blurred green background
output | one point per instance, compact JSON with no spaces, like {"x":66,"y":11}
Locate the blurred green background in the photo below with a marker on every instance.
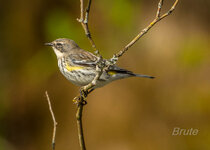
{"x":129,"y":114}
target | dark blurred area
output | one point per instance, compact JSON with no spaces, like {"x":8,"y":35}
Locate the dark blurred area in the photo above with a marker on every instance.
{"x":129,"y":114}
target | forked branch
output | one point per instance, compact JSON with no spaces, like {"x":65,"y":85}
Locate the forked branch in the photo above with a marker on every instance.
{"x":81,"y":99}
{"x":145,"y":30}
{"x":104,"y":64}
{"x":84,"y":18}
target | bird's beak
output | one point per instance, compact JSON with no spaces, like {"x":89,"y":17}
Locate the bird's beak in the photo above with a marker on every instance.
{"x":48,"y":44}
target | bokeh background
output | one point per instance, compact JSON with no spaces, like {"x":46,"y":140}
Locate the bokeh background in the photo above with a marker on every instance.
{"x":129,"y":114}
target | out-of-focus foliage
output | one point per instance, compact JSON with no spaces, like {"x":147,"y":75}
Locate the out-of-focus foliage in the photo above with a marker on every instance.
{"x":120,"y":16}
{"x":130,"y":114}
{"x":194,"y":51}
{"x":60,"y":24}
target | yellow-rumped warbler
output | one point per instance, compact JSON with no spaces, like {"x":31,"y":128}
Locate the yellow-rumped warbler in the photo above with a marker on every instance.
{"x":79,"y":66}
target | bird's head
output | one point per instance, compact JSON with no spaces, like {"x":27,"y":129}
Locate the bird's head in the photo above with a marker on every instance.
{"x":62,"y":46}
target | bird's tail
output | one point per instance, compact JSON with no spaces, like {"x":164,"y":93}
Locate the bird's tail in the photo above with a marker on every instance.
{"x":143,"y":76}
{"x":130,"y":73}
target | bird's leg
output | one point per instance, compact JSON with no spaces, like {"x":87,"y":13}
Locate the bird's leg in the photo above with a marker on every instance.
{"x":91,"y":90}
{"x":77,"y":100}
{"x":86,"y":93}
{"x":83,"y":92}
{"x":81,"y":98}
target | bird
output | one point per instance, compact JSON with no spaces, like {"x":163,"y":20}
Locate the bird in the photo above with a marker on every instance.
{"x":79,"y":66}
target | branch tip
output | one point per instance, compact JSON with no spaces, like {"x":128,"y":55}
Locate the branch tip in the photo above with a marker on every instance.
{"x":54,"y":120}
{"x":145,"y":30}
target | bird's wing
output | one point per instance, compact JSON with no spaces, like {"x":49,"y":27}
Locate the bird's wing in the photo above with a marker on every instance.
{"x":82,"y":57}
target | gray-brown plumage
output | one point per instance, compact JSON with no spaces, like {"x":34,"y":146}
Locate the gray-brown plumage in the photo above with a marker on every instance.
{"x":78,"y":65}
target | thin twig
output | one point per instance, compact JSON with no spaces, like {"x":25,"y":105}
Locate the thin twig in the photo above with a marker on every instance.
{"x":145,"y":30}
{"x":84,"y":23}
{"x":87,"y":12}
{"x":160,"y":4}
{"x":81,"y":9}
{"x":54,"y":121}
{"x":79,"y":126}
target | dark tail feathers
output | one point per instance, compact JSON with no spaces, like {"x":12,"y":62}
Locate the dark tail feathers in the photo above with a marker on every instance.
{"x":143,"y":76}
{"x":124,"y":71}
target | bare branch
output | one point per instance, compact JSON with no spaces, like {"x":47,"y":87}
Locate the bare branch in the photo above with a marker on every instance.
{"x":54,"y":121}
{"x":104,"y":64}
{"x":170,"y":10}
{"x":87,"y":12}
{"x":84,"y":23}
{"x":160,"y":4}
{"x":81,"y":101}
{"x":79,"y":126}
{"x":81,"y":9}
{"x":145,"y":30}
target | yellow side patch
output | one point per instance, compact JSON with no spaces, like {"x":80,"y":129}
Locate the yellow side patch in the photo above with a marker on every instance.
{"x":73,"y":68}
{"x":111,"y":73}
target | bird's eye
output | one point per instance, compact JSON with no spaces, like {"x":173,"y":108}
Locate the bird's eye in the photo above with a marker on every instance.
{"x":59,"y":44}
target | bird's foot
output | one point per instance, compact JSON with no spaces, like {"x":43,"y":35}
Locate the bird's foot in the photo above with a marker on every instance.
{"x":81,"y":98}
{"x":78,"y":100}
